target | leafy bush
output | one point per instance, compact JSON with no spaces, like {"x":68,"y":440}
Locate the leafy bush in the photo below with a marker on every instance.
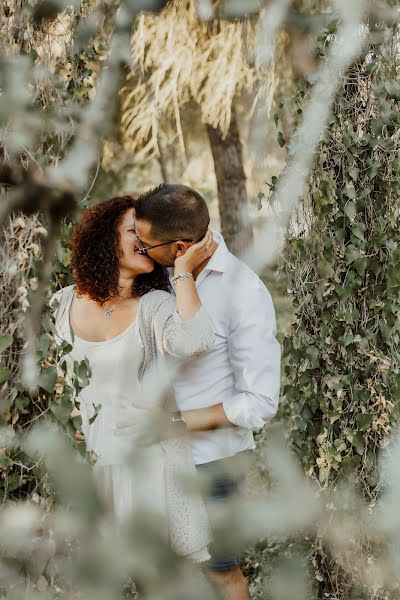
{"x":57,"y":388}
{"x":342,"y":358}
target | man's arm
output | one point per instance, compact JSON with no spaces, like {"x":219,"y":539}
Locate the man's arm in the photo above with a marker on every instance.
{"x":254,"y":354}
{"x":204,"y":419}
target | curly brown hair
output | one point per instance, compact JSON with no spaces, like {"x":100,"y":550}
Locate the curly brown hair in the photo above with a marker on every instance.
{"x":95,"y":248}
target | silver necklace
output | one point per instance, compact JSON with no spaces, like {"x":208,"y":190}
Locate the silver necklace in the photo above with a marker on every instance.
{"x":108,"y":312}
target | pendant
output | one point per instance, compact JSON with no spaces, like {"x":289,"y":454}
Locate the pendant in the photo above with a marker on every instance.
{"x":108,"y":313}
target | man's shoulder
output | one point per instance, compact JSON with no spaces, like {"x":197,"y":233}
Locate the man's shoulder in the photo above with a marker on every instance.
{"x":239,"y":275}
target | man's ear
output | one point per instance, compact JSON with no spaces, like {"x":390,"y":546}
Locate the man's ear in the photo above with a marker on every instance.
{"x":181,"y":248}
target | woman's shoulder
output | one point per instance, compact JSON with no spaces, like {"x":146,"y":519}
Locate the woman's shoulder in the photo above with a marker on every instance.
{"x":156,"y":298}
{"x":60,"y":301}
{"x":59,"y":295}
{"x":157,"y":304}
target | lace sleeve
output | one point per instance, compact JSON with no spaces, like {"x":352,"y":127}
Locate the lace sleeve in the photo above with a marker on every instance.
{"x":180,"y":338}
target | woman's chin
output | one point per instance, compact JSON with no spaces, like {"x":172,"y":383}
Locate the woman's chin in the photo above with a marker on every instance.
{"x":148,"y":267}
{"x":141,"y":265}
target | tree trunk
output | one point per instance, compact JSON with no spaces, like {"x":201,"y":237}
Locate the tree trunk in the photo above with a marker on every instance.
{"x":231,"y":181}
{"x":171,"y":160}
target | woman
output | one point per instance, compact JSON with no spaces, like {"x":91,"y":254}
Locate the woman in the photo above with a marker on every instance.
{"x":120,"y":317}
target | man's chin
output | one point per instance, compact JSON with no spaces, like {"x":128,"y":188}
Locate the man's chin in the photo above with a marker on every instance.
{"x":166,"y":263}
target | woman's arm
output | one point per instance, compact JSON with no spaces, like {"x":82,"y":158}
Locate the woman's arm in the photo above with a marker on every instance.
{"x":187,"y":300}
{"x":178,"y":337}
{"x":181,"y":326}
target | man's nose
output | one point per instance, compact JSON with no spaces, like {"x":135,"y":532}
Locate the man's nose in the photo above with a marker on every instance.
{"x":138,"y":247}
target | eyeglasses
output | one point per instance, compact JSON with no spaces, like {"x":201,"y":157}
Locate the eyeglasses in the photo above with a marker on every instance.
{"x":143,"y":250}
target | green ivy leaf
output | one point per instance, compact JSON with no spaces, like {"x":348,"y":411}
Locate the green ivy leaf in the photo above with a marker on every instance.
{"x":348,"y":339}
{"x":363,"y":193}
{"x":77,"y":422}
{"x":5,"y":462}
{"x":364,"y":421}
{"x":313,"y":355}
{"x":96,"y":412}
{"x":360,"y":265}
{"x":21,"y":404}
{"x":62,"y":411}
{"x":359,"y":443}
{"x":350,"y":193}
{"x":376,"y":126}
{"x":44,"y":344}
{"x":357,"y":230}
{"x":350,"y":463}
{"x":370,"y":68}
{"x":347,"y":141}
{"x":5,"y":374}
{"x":393,"y":89}
{"x":352,"y":253}
{"x":350,"y":210}
{"x":47,"y":379}
{"x":343,"y":292}
{"x":354,"y":173}
{"x":386,"y":330}
{"x":5,"y":341}
{"x":373,"y":170}
{"x":281,"y":140}
{"x":13,"y":482}
{"x":66,"y":347}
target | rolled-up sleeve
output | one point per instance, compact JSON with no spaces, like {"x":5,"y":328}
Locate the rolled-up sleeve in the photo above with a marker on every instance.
{"x":255,"y":355}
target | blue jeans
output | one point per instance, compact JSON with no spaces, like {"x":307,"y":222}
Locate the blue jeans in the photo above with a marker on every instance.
{"x":223,"y":487}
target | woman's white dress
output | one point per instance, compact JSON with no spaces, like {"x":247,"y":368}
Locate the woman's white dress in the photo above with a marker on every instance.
{"x":130,"y":480}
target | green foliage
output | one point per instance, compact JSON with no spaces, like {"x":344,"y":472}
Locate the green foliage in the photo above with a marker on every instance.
{"x":341,"y":360}
{"x":58,"y":384}
{"x":54,"y":398}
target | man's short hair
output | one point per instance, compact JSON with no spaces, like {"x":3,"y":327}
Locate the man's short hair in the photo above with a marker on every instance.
{"x":176,"y":212}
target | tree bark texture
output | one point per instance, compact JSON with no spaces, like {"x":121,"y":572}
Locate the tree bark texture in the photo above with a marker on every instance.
{"x":236,"y":226}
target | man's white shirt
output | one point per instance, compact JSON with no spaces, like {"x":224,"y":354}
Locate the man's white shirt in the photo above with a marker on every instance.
{"x":242,"y":371}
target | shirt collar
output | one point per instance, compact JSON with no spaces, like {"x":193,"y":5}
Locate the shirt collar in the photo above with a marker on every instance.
{"x":220,"y":258}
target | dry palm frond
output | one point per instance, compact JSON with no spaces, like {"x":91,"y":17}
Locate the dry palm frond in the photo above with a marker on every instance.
{"x":178,"y":57}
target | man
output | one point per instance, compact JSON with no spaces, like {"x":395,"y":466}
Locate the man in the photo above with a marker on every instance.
{"x":233,"y":390}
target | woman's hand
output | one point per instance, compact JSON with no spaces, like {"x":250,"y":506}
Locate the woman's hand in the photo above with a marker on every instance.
{"x":141,"y":427}
{"x":195,"y":255}
{"x":146,"y":427}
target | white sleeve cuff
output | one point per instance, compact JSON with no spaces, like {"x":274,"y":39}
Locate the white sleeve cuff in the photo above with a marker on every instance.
{"x":238,"y":413}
